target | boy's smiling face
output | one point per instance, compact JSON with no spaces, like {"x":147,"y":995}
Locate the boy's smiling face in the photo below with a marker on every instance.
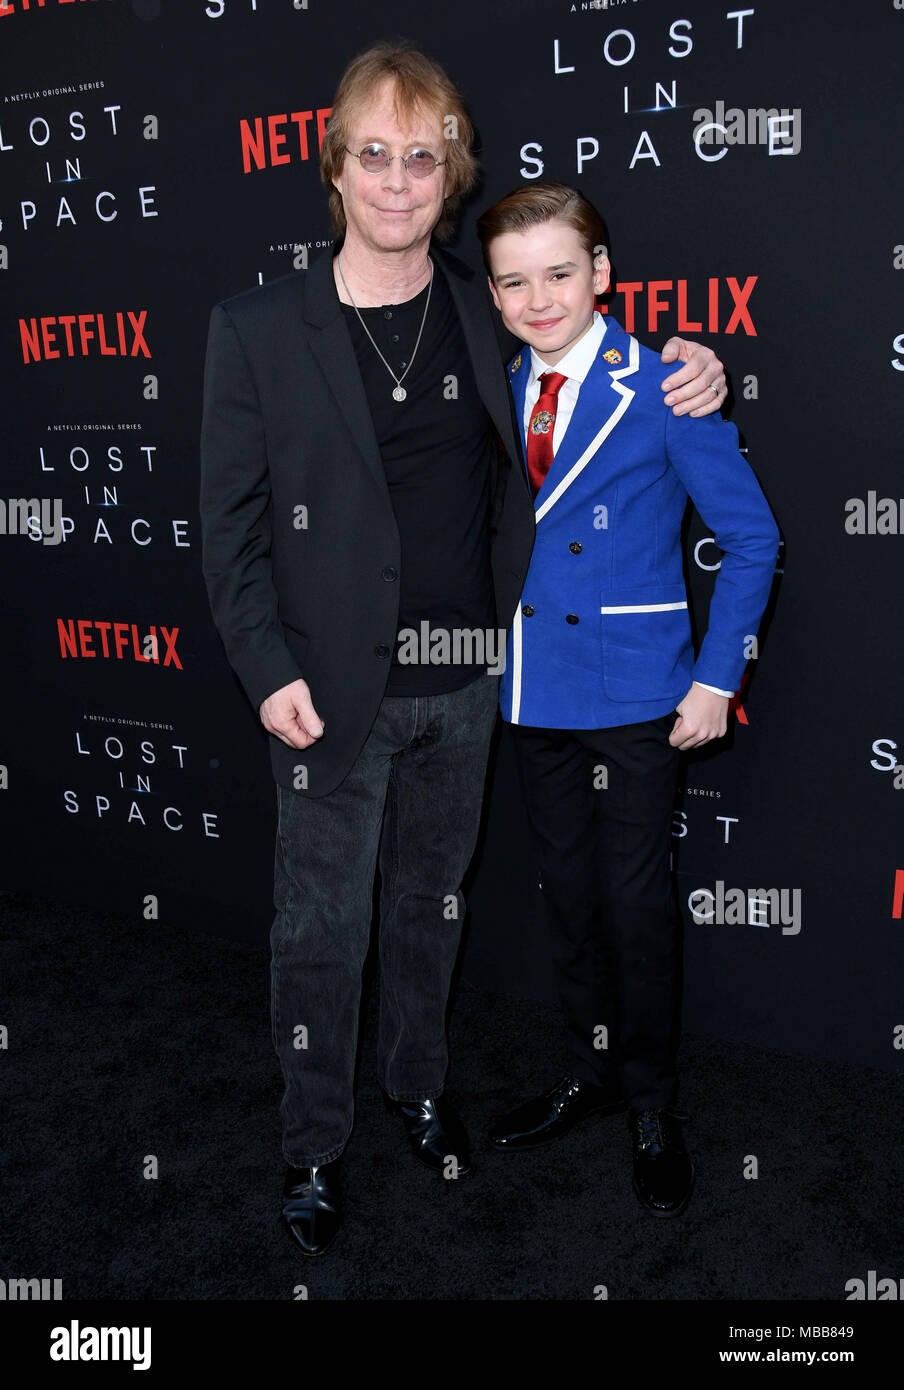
{"x":544,"y":283}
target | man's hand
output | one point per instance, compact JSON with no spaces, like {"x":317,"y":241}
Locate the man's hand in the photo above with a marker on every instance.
{"x":289,"y":714}
{"x":702,"y":716}
{"x":689,"y":387}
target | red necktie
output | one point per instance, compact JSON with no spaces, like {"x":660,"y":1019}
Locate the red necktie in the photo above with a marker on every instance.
{"x":539,"y":431}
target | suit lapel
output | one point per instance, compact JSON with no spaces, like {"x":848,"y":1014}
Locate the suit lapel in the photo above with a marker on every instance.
{"x":331,"y":346}
{"x":519,"y":373}
{"x":474,"y":313}
{"x":332,"y":349}
{"x":601,"y":404}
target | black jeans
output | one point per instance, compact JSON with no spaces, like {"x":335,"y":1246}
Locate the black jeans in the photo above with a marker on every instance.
{"x":600,"y":804}
{"x":413,"y":796}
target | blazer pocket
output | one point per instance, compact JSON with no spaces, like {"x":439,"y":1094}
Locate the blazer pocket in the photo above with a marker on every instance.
{"x":645,"y":635}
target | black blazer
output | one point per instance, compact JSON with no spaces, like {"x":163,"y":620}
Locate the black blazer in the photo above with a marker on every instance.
{"x":300,"y":546}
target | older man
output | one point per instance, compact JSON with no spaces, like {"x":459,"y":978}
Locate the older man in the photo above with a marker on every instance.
{"x":360,"y":516}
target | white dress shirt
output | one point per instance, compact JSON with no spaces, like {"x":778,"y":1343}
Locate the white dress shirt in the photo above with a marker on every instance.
{"x":574,"y":365}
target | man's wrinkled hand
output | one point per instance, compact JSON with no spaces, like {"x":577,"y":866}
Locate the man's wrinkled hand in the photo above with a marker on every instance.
{"x":290,"y":714}
{"x":702,"y":717}
{"x":689,"y":387}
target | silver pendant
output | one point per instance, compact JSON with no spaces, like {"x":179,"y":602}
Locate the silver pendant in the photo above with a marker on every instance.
{"x":399,"y":393}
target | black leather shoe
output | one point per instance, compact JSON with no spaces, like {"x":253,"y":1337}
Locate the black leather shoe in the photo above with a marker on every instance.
{"x":312,"y":1205}
{"x":663,"y":1171}
{"x":553,"y":1114}
{"x":435,"y":1134}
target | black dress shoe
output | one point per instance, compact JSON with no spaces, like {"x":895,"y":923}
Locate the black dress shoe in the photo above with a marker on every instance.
{"x":312,"y":1205}
{"x":663,"y":1171}
{"x":435,"y":1134}
{"x":553,"y":1114}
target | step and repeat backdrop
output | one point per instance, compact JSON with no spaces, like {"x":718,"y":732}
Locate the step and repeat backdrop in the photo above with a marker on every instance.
{"x":156,"y":157}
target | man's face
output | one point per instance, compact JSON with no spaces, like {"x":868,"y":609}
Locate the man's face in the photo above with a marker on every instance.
{"x":391,"y":210}
{"x":544,"y":283}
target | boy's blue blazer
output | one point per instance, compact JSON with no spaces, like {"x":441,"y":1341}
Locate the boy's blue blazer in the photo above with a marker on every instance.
{"x":602,"y":635}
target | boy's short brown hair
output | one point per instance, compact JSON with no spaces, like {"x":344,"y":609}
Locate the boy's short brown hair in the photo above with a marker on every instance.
{"x":535,"y":203}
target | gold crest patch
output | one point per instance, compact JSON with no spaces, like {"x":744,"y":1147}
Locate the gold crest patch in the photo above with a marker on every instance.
{"x":613,"y":355}
{"x":516,"y":364}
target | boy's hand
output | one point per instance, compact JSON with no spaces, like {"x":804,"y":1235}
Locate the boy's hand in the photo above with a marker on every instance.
{"x":702,"y":716}
{"x":690,"y":386}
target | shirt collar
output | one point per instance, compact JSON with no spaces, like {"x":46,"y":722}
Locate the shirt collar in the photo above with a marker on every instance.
{"x":578,"y":360}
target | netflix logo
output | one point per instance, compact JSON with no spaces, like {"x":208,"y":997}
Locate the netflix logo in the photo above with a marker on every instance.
{"x":8,"y":7}
{"x":646,"y":300}
{"x":118,"y":641}
{"x":84,"y":335}
{"x":276,"y":144}
{"x":736,"y":702}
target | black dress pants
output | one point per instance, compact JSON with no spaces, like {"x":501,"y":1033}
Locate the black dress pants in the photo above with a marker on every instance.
{"x":600,"y":805}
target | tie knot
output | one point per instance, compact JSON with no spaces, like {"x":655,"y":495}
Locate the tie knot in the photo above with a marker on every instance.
{"x":551,"y":383}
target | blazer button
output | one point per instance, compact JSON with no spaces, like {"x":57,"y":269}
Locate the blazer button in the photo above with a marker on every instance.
{"x":572,"y":618}
{"x":389,"y":574}
{"x":381,"y":650}
{"x":527,"y":610}
{"x":575,"y":547}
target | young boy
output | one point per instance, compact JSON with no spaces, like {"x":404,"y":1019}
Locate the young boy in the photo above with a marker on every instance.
{"x":601,"y":685}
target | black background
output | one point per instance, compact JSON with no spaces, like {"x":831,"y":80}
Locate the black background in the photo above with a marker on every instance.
{"x":818,"y":229}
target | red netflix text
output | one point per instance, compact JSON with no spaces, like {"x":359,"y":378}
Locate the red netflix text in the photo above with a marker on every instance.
{"x":8,"y":7}
{"x":274,"y":143}
{"x":118,"y":641}
{"x":714,"y":306}
{"x":736,"y":701}
{"x":84,"y":335}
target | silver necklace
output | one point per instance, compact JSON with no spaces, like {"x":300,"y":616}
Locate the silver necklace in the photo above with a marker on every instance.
{"x":399,"y":393}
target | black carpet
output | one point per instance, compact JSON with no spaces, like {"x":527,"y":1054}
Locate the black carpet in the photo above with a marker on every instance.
{"x":131,"y":1044}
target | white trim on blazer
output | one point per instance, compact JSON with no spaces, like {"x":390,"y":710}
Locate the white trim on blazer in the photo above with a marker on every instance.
{"x":627,"y":397}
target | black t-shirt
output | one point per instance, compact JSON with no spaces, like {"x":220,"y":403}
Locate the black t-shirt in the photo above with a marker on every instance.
{"x":436,"y":448}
